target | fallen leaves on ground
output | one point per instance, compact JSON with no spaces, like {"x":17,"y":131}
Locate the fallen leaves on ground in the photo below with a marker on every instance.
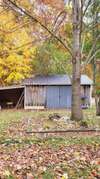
{"x":45,"y":162}
{"x":22,"y":156}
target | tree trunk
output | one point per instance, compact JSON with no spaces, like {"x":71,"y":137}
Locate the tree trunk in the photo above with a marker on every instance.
{"x":95,"y":34}
{"x":76,"y":61}
{"x":98,"y":106}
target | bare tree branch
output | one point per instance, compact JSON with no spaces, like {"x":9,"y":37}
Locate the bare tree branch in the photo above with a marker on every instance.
{"x":81,"y":18}
{"x":57,"y":25}
{"x":96,"y":52}
{"x":20,"y":10}
{"x":83,"y":44}
{"x":88,"y":4}
{"x":89,"y":57}
{"x":91,"y":50}
{"x":58,"y":16}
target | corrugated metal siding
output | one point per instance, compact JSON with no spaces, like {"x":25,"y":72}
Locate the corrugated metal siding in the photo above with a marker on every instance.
{"x":52,"y":97}
{"x":59,"y":96}
{"x":65,"y":96}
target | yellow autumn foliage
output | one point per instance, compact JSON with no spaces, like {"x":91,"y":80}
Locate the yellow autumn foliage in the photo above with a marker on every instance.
{"x":14,"y":68}
{"x":15,"y":54}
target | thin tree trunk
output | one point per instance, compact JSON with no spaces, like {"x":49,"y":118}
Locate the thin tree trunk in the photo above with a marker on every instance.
{"x":76,"y":61}
{"x":95,"y":33}
{"x":98,"y":105}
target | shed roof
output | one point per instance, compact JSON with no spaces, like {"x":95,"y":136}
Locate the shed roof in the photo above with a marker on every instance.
{"x":11,"y":87}
{"x":55,"y":80}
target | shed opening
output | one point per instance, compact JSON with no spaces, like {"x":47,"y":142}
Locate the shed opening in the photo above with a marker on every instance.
{"x":12,"y":97}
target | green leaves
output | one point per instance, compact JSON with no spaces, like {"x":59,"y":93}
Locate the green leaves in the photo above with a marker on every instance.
{"x":51,"y":59}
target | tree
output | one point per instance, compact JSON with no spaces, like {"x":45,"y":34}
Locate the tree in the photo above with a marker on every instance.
{"x":15,"y":58}
{"x":79,"y":9}
{"x":76,"y":61}
{"x":76,"y":108}
{"x":98,"y":90}
{"x":96,"y":19}
{"x":93,"y":43}
{"x":13,"y":69}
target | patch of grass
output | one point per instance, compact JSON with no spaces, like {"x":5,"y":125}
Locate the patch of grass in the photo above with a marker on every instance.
{"x":90,"y":123}
{"x":48,"y":174}
{"x":8,"y":174}
{"x":9,"y":177}
{"x":90,"y":118}
{"x":15,"y":120}
{"x":10,"y":116}
{"x":57,"y":142}
{"x":54,"y":142}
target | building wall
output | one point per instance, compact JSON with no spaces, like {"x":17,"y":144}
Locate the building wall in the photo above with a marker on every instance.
{"x":35,"y":96}
{"x":47,"y":97}
{"x":52,"y":96}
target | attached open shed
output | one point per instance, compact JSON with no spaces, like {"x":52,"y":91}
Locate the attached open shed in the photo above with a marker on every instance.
{"x":12,"y":97}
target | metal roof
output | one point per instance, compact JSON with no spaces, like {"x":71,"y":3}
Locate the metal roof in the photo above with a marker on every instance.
{"x":55,"y":80}
{"x":11,"y":87}
{"x":85,"y":80}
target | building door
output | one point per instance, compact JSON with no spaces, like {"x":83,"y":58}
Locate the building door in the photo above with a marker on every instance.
{"x":53,"y":97}
{"x":65,"y":94}
{"x":59,"y":97}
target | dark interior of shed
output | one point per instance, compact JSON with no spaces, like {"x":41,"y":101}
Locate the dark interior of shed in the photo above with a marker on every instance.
{"x":12,"y":98}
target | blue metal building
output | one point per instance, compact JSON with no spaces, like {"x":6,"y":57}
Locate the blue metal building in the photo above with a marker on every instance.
{"x":54,"y":91}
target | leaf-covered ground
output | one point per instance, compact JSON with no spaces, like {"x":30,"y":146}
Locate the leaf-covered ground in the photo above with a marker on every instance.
{"x":24,"y":156}
{"x":48,"y":161}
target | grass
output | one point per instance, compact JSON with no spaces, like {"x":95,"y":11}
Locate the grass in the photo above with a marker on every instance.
{"x":12,"y":137}
{"x":9,"y":117}
{"x":12,"y":122}
{"x":54,"y":142}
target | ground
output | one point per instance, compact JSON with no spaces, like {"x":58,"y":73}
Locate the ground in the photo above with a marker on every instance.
{"x":35,"y":156}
